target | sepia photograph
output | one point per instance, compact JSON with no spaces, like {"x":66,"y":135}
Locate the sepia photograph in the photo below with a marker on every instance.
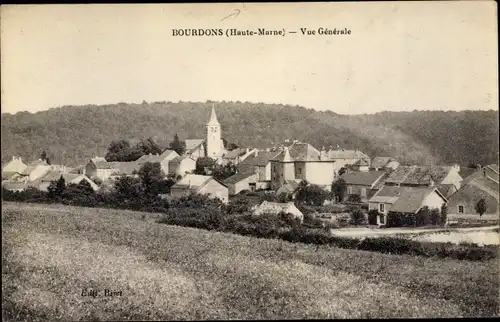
{"x":250,"y":161}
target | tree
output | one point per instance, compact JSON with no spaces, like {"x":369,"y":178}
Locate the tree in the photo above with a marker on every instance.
{"x":204,"y":165}
{"x":222,"y":172}
{"x":310,"y":194}
{"x":153,"y":179}
{"x":339,"y":189}
{"x":232,"y":146}
{"x":44,"y":157}
{"x":116,"y":147}
{"x":481,"y":207}
{"x":122,"y":151}
{"x":342,"y":171}
{"x":149,"y":146}
{"x":56,"y":188}
{"x":444,"y":214}
{"x":357,"y":217}
{"x":178,"y":145}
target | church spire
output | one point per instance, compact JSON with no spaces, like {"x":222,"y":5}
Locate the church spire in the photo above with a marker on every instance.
{"x":213,"y":117}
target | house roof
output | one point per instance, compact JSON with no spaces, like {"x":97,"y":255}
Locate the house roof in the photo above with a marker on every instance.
{"x":9,"y":185}
{"x":446,"y":189}
{"x":466,"y":172}
{"x":275,"y":207}
{"x":346,"y":154}
{"x":487,"y":178}
{"x":179,"y":158}
{"x":54,"y":175}
{"x":150,"y":158}
{"x":6,"y":175}
{"x":298,"y":151}
{"x":123,"y":167}
{"x":380,"y":162}
{"x":404,"y":199}
{"x":419,"y":174}
{"x":100,"y":163}
{"x":238,"y":177}
{"x":193,"y":143}
{"x":166,"y":153}
{"x":362,"y":178}
{"x":261,"y":159}
{"x":32,"y":166}
{"x":193,"y":182}
{"x":362,"y":162}
{"x":233,"y":154}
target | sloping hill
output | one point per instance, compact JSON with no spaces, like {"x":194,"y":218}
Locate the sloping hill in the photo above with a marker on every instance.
{"x":72,"y":134}
{"x":53,"y":256}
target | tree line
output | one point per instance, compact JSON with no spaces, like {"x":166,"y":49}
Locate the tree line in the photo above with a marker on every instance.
{"x":411,"y":137}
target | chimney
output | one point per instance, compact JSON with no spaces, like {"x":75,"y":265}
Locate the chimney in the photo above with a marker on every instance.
{"x":256,"y":152}
{"x":322,"y":154}
{"x":248,"y":150}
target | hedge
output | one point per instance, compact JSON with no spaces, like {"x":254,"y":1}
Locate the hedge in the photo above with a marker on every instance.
{"x":200,"y":212}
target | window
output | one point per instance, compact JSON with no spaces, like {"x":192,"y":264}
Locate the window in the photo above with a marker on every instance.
{"x":363,"y":192}
{"x":460,"y":209}
{"x":349,"y":190}
{"x":381,"y":208}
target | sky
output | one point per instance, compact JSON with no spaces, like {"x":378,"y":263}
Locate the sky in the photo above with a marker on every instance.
{"x":398,"y":57}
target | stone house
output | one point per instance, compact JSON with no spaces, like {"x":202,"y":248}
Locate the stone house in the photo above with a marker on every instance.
{"x":54,"y":175}
{"x":363,"y":184}
{"x":482,"y":184}
{"x":428,"y":176}
{"x":402,"y":199}
{"x":259,"y":162}
{"x":276,"y":208}
{"x":198,"y":184}
{"x":236,"y":156}
{"x":181,"y":165}
{"x":34,"y":171}
{"x":98,"y":169}
{"x":344,"y":157}
{"x":383,"y":163}
{"x":163,"y":159}
{"x":241,"y":181}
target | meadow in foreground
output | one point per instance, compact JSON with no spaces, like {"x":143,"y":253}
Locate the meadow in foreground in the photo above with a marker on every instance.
{"x":51,"y":253}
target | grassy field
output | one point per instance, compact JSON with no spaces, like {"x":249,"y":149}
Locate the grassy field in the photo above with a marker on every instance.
{"x":51,"y":253}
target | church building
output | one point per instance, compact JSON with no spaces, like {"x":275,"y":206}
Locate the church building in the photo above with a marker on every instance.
{"x":212,"y":146}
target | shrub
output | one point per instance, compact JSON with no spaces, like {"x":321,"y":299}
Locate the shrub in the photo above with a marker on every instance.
{"x":444,"y":214}
{"x":357,"y":217}
{"x":354,"y":198}
{"x":372,"y":217}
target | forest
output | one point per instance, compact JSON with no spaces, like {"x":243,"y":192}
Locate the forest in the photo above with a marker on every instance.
{"x":72,"y":134}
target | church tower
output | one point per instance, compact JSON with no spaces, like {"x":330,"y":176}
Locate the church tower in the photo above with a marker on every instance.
{"x":214,"y":143}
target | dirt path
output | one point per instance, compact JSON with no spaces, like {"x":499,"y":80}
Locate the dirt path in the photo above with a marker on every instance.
{"x":369,"y":232}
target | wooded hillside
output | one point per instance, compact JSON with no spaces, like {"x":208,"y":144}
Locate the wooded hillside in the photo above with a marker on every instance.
{"x":72,"y":134}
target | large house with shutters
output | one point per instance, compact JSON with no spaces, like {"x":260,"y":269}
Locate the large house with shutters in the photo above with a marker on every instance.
{"x":301,"y":161}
